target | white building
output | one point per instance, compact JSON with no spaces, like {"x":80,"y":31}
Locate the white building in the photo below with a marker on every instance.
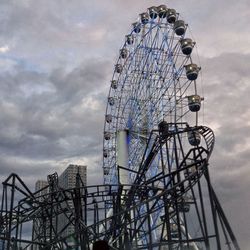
{"x":40,"y":184}
{"x":67,"y":180}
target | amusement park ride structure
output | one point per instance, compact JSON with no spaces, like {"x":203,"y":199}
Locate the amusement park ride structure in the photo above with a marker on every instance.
{"x":157,"y":192}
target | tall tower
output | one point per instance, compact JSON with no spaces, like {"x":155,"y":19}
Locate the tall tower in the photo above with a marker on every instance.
{"x":68,"y":177}
{"x":67,"y":180}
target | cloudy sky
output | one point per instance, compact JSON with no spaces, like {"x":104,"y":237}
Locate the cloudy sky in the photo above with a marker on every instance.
{"x":56,"y":61}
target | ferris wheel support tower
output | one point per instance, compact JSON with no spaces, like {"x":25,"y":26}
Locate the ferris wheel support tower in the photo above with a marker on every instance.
{"x":152,"y":138}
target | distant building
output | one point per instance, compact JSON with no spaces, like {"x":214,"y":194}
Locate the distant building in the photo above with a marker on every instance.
{"x":66,"y":180}
{"x":40,"y":184}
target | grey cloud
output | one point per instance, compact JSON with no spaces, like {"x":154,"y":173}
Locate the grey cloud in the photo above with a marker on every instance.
{"x":84,"y":79}
{"x":27,"y":168}
{"x":226,"y":80}
{"x":61,"y":57}
{"x":50,"y":115}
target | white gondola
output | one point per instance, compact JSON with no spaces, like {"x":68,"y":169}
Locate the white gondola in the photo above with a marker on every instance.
{"x":118,"y":68}
{"x":153,"y":12}
{"x":179,"y":27}
{"x":106,"y":171}
{"x":114,"y":84}
{"x":162,"y":11}
{"x":194,"y":103}
{"x":144,"y":17}
{"x":107,"y":136}
{"x":123,"y":53}
{"x":187,"y":46}
{"x":192,"y":71}
{"x":136,"y":27}
{"x":129,"y":39}
{"x":194,"y":137}
{"x":171,"y":15}
{"x":105,"y":153}
{"x":108,"y":118}
{"x":111,"y":101}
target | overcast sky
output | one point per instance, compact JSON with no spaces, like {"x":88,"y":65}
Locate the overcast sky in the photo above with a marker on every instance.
{"x":56,"y":63}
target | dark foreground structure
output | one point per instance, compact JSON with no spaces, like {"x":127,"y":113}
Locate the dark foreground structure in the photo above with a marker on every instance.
{"x":157,"y":193}
{"x":174,"y":210}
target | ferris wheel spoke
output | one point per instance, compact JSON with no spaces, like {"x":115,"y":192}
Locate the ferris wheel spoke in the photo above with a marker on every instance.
{"x":139,"y":80}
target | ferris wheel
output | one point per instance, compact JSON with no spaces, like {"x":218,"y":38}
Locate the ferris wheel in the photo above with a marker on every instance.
{"x":154,"y":80}
{"x":157,"y":193}
{"x":154,"y":87}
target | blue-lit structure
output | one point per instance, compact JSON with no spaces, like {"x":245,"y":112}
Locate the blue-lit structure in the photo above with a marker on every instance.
{"x":154,"y":79}
{"x":155,"y":87}
{"x":157,"y":193}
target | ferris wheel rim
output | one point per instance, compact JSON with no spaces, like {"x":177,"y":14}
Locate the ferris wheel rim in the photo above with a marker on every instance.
{"x":116,"y":78}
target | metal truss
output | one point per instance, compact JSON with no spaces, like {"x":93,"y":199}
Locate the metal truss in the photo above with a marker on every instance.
{"x":174,"y":209}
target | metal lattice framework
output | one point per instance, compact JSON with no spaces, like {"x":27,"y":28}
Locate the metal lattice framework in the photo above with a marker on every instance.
{"x":167,"y":211}
{"x":154,"y":80}
{"x":157,"y":192}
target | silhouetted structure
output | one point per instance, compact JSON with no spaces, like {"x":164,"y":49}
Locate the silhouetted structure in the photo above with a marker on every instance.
{"x":157,"y":192}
